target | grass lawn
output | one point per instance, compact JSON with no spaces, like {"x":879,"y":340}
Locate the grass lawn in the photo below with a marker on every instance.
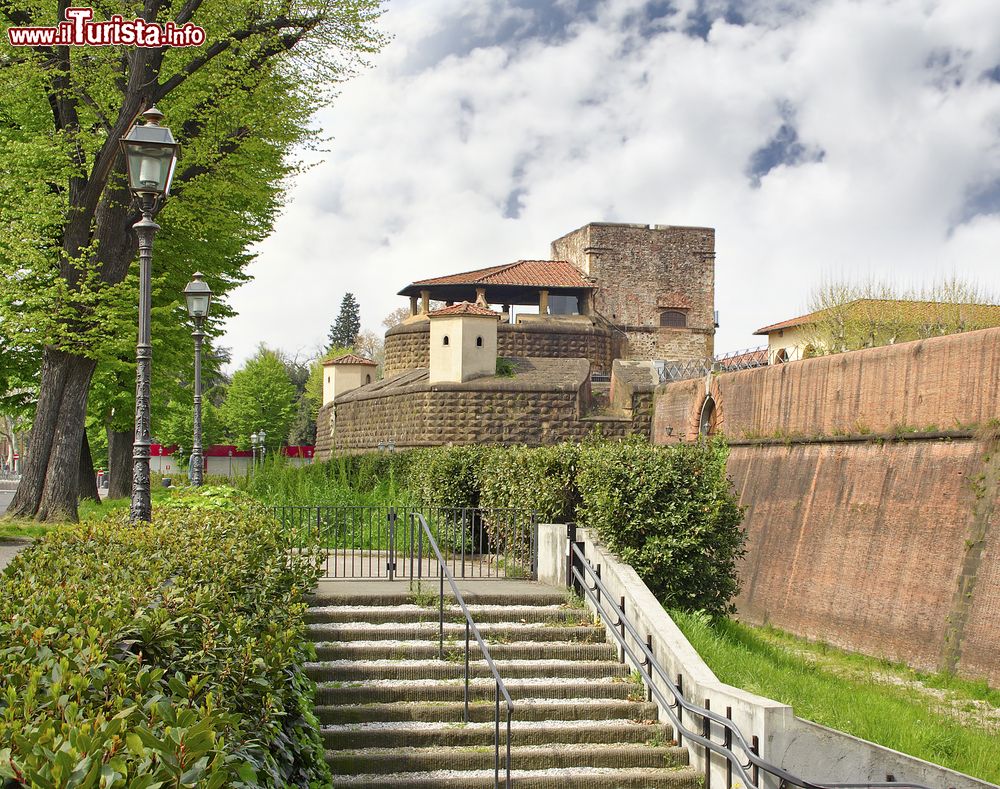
{"x":940,"y":718}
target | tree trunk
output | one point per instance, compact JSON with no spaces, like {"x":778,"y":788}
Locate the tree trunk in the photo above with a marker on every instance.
{"x":50,"y":480}
{"x":120,"y":464}
{"x":88,"y":479}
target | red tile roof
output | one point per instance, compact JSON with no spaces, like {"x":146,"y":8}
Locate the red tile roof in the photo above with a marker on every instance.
{"x":526,"y":273}
{"x":464,"y":308}
{"x":911,"y":310}
{"x":350,"y":358}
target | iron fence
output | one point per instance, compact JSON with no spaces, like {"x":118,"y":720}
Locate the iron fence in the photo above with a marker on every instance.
{"x":387,"y":542}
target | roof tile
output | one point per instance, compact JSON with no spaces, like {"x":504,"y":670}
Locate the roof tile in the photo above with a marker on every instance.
{"x":527,"y":273}
{"x":464,"y":308}
{"x":350,"y":358}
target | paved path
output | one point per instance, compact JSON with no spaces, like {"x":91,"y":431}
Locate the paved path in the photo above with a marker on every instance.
{"x":9,"y":549}
{"x":5,"y":497}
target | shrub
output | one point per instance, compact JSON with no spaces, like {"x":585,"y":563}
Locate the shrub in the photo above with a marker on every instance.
{"x":445,"y":476}
{"x":541,"y":479}
{"x":154,"y":655}
{"x":670,"y":513}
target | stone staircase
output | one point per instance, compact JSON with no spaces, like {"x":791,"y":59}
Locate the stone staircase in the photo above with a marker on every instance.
{"x":392,"y":712}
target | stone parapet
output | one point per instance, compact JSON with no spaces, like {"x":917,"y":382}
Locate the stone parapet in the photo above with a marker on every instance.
{"x":407,"y":346}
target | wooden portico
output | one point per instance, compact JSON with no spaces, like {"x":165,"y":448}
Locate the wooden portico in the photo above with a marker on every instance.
{"x":554,"y":286}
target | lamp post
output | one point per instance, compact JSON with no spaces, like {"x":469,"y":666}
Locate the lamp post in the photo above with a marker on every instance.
{"x":199,"y":300}
{"x":150,"y":154}
{"x":263,"y":447}
{"x":253,"y":452}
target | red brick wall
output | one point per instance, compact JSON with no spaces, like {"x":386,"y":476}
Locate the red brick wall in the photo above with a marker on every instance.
{"x":943,"y":383}
{"x":864,"y":545}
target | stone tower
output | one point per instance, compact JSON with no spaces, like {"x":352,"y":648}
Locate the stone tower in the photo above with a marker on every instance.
{"x":656,"y":283}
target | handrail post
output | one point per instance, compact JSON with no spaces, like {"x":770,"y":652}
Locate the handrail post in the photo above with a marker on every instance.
{"x":496,"y":738}
{"x":570,"y":541}
{"x":728,"y":742}
{"x":755,"y":750}
{"x":621,"y":624}
{"x":706,"y":732}
{"x":441,"y":619}
{"x":680,"y":708}
{"x":508,"y":746}
{"x":466,"y":670}
{"x":648,"y":663}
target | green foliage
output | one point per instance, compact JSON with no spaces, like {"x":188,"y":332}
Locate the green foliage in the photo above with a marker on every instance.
{"x":445,"y":476}
{"x":345,"y":329}
{"x":542,"y":479}
{"x":667,"y":511}
{"x":939,"y":718}
{"x":260,"y":397}
{"x":155,"y":655}
{"x":670,"y":513}
{"x":505,"y":368}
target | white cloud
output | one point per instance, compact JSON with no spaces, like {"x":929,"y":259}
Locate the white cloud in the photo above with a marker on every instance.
{"x":468,"y":114}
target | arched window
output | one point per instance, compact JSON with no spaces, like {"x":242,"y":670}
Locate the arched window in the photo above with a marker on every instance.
{"x":368,"y":379}
{"x":445,"y":340}
{"x":781,"y":356}
{"x":673,"y":319}
{"x":706,"y":424}
{"x":479,"y":342}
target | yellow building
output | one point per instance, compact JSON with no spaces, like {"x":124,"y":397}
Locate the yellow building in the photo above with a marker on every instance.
{"x":867,"y":323}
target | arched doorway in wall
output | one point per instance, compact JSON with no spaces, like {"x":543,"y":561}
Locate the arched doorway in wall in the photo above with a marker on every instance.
{"x":706,"y":422}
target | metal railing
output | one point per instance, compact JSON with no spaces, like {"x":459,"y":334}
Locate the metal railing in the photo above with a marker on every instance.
{"x":471,"y":630}
{"x":384,"y":542}
{"x":746,"y":767}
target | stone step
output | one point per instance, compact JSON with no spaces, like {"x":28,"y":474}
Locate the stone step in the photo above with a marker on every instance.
{"x":491,"y":633}
{"x":594,"y":778}
{"x":415,"y":650}
{"x":425,"y":735}
{"x":481,"y":614}
{"x":400,"y":760}
{"x":535,"y":597}
{"x":479,"y":690}
{"x":352,"y":670}
{"x":479,"y":711}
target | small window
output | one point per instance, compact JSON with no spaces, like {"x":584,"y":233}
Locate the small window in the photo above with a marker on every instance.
{"x":673,"y":319}
{"x":368,"y":379}
{"x":445,"y":340}
{"x":479,"y":342}
{"x":328,"y":379}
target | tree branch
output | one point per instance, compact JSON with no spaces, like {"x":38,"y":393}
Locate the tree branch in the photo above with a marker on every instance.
{"x":274,"y":25}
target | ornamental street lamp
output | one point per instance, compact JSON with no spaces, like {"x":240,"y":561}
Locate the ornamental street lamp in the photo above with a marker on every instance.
{"x":253,"y":450}
{"x":199,"y":300}
{"x":151,"y":155}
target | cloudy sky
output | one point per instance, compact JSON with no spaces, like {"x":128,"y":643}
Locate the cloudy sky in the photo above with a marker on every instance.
{"x":835,"y":139}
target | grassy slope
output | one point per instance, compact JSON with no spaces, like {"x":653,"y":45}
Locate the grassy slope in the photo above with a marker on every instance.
{"x":934,"y":717}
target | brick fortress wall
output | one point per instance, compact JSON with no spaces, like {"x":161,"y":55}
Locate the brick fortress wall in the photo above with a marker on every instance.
{"x":886,"y":543}
{"x":641,"y":270}
{"x":407,"y":347}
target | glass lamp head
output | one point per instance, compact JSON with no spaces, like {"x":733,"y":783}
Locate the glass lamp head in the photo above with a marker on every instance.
{"x":198,"y":296}
{"x":151,"y":155}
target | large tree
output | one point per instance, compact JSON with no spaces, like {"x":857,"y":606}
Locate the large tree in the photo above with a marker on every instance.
{"x":261,"y":396}
{"x":345,"y":329}
{"x":68,"y":248}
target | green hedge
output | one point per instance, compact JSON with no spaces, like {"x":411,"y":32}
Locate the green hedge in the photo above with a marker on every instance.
{"x":159,"y":655}
{"x":671,"y":514}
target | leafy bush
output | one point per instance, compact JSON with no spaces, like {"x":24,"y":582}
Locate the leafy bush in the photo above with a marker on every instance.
{"x":445,"y":476}
{"x":542,"y":479}
{"x":671,"y":514}
{"x":155,"y":655}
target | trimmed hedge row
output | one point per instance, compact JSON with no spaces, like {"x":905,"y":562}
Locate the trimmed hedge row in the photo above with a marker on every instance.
{"x":157,"y":655}
{"x":668,"y":511}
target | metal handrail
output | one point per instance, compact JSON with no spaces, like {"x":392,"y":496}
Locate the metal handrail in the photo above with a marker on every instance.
{"x":600,"y":595}
{"x":471,"y":628}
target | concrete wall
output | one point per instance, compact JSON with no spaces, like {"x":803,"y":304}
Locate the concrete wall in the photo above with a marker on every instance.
{"x":804,"y":748}
{"x":463,"y":358}
{"x":407,"y":346}
{"x":641,"y":270}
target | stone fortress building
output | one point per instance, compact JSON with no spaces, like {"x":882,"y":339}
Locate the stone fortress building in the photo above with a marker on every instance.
{"x":575,"y":334}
